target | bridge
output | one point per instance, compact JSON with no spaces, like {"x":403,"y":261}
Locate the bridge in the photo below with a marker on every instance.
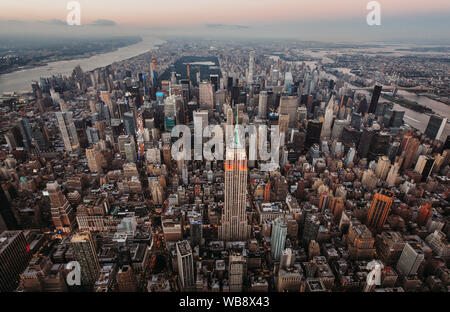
{"x":391,"y":88}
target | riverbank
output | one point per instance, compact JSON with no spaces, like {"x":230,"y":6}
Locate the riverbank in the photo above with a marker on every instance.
{"x":20,"y":81}
{"x":25,"y":59}
{"x":408,"y":104}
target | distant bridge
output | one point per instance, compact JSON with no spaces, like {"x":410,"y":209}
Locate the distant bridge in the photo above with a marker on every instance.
{"x":391,"y":88}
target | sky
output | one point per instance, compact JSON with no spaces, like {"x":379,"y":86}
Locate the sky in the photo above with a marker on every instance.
{"x":308,"y":19}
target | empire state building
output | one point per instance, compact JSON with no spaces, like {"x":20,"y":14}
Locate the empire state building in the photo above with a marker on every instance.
{"x":234,"y":225}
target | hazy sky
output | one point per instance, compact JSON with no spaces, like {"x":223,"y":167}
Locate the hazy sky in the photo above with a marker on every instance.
{"x":188,"y":12}
{"x":399,"y":17}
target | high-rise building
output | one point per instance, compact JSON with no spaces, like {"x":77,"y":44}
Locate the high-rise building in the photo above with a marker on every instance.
{"x":42,"y":275}
{"x":379,"y":145}
{"x":313,"y":131}
{"x":356,"y":120}
{"x":412,"y":146}
{"x":379,"y":210}
{"x":338,"y":128}
{"x":85,"y":254}
{"x":25,"y":129}
{"x":288,"y":106}
{"x":201,"y":117}
{"x":234,"y":225}
{"x":390,"y":246}
{"x":278,"y":237}
{"x":375,"y":97}
{"x":196,"y":229}
{"x":129,"y":123}
{"x":410,"y":259}
{"x":63,"y":216}
{"x":157,"y":191}
{"x":310,"y":228}
{"x":262,"y":105}
{"x":206,"y":96}
{"x":130,"y":151}
{"x":382,"y":167}
{"x":365,"y":141}
{"x":439,"y":244}
{"x":360,"y":242}
{"x":435,"y":127}
{"x":236,"y":272}
{"x":230,"y":117}
{"x":393,"y":151}
{"x":289,"y":279}
{"x":424,"y":166}
{"x":424,"y":215}
{"x":6,"y":214}
{"x":362,"y":107}
{"x":94,"y":159}
{"x":185,"y":264}
{"x":251,"y":66}
{"x":329,"y":111}
{"x":68,"y":131}
{"x":126,"y":279}
{"x":283,"y":123}
{"x":14,"y":257}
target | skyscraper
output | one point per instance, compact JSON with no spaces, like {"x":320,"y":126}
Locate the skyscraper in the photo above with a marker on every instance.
{"x":94,"y":161}
{"x":313,"y":131}
{"x":288,"y":106}
{"x":84,"y":252}
{"x":412,"y":147}
{"x":382,"y":167}
{"x":63,"y":216}
{"x":326,"y":129}
{"x":185,"y":264}
{"x":68,"y":131}
{"x":25,"y":129}
{"x":262,"y":105}
{"x":365,"y":141}
{"x":206,"y":96}
{"x":424,"y":166}
{"x":13,"y":259}
{"x":374,"y":101}
{"x":278,"y":238}
{"x":6,"y":213}
{"x":338,"y":128}
{"x":234,"y":225}
{"x":251,"y":65}
{"x":379,"y":210}
{"x":129,"y":123}
{"x":379,"y":145}
{"x":435,"y":127}
{"x":410,"y":259}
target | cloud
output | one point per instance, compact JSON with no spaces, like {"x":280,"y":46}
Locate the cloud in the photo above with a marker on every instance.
{"x":103,"y":22}
{"x":226,"y":26}
{"x":54,"y":22}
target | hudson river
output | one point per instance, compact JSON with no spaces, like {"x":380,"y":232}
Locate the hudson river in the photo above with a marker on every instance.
{"x":21,"y":80}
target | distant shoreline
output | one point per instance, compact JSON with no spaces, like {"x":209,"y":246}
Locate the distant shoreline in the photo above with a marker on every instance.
{"x":67,"y":58}
{"x":19,"y":82}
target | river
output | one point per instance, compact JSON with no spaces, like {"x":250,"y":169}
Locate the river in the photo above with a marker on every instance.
{"x":20,"y":81}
